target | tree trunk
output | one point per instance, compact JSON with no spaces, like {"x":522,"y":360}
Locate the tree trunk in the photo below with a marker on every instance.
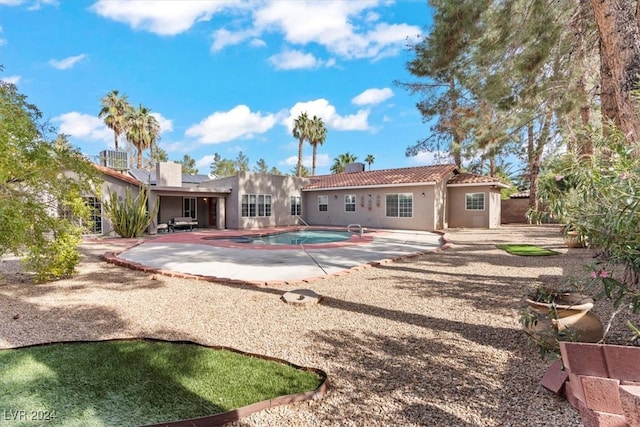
{"x":299,"y":171}
{"x":313,"y":165}
{"x":534,"y":168}
{"x":617,"y":22}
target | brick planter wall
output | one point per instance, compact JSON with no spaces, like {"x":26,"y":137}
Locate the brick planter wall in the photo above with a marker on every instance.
{"x":604,"y":383}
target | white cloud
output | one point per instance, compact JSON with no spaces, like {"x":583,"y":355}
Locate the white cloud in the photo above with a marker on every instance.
{"x":163,"y":17}
{"x":430,"y":158}
{"x":84,"y":126}
{"x":293,"y":60}
{"x":257,"y":43}
{"x":307,"y":160}
{"x":223,"y":38}
{"x":347,"y":29}
{"x":11,"y":2}
{"x":205,"y":163}
{"x":66,"y":63}
{"x":166,"y":125}
{"x":38,"y":4}
{"x":11,"y":79}
{"x":327,"y":112}
{"x":238,"y":122}
{"x":373,"y":96}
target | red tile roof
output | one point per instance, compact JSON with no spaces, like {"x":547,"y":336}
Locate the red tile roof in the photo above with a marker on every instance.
{"x":470,"y":178}
{"x":415,"y":175}
{"x":118,"y":175}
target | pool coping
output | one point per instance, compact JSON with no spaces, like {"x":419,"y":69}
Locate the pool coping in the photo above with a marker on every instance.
{"x":113,"y":258}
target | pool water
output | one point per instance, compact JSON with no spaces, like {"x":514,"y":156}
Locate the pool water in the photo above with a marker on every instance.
{"x":304,"y":237}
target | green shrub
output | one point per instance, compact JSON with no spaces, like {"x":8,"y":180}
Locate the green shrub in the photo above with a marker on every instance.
{"x":129,"y":215}
{"x":55,"y":258}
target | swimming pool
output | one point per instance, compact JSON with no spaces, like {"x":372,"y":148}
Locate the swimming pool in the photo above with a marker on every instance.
{"x":302,"y":237}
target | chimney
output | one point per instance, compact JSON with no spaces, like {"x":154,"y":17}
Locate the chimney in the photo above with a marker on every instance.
{"x":168,"y":174}
{"x":354,"y":167}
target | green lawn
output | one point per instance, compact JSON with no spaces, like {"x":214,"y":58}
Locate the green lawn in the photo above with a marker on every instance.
{"x":124,"y":383}
{"x":526,"y":250}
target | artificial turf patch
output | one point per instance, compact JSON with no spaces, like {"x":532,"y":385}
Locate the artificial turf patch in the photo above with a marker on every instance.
{"x":526,"y":250}
{"x":116,"y":383}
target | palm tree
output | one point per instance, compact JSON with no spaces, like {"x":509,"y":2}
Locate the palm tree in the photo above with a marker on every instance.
{"x":340,"y":162}
{"x":317,"y":137}
{"x":142,"y":130}
{"x":301,"y":130}
{"x":115,"y":109}
{"x":369,"y":160}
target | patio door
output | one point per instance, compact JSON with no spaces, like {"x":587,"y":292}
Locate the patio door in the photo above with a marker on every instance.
{"x":213,"y":210}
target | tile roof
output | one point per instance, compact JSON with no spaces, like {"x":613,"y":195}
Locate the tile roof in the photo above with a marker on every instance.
{"x":414,"y":175}
{"x":118,"y":175}
{"x":470,"y":178}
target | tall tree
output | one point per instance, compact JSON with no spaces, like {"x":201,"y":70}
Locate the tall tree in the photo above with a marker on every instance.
{"x":223,"y":167}
{"x":618,"y":24}
{"x":301,"y":131}
{"x":40,"y":173}
{"x":114,"y":112}
{"x":188,"y":165}
{"x":369,"y":160}
{"x":143,"y":130}
{"x":242,"y":162}
{"x":317,"y":136}
{"x":340,"y":162}
{"x":261,"y":166}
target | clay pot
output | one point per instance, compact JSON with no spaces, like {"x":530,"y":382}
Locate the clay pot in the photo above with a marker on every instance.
{"x":571,"y":240}
{"x":572,"y":318}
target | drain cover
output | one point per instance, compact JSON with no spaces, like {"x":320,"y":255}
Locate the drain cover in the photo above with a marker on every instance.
{"x":303,"y":297}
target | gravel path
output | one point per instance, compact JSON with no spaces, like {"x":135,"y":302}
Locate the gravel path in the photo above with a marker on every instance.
{"x":433,"y":340}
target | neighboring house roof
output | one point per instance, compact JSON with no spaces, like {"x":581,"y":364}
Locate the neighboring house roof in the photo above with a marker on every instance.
{"x":381,"y":178}
{"x":118,"y":175}
{"x":521,"y":195}
{"x":149,"y":176}
{"x":465,"y":178}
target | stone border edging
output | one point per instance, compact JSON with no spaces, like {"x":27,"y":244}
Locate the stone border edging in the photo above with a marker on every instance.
{"x":234,"y":414}
{"x":112,"y":258}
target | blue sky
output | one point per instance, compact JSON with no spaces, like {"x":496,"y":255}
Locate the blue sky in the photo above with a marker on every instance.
{"x":224,"y":77}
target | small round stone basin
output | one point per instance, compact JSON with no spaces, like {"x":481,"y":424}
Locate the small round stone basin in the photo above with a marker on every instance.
{"x":301,"y":297}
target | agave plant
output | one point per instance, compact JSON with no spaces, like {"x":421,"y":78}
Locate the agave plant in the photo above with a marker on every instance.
{"x":130,"y":215}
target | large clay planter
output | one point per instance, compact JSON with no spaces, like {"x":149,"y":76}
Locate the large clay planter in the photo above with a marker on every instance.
{"x":572,"y":318}
{"x":571,"y":240}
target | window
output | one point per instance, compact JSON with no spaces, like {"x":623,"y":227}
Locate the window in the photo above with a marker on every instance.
{"x":350,"y":203}
{"x":95,"y":216}
{"x":399,"y":205}
{"x":323,"y":203}
{"x":189,"y":207}
{"x":296,"y":205}
{"x":256,"y":205}
{"x":95,"y":227}
{"x":475,"y":201}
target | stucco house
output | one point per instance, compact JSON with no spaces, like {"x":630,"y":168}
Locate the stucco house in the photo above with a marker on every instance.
{"x":414,"y":198}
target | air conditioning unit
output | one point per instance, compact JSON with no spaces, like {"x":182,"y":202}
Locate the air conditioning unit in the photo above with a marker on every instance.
{"x":117,"y":160}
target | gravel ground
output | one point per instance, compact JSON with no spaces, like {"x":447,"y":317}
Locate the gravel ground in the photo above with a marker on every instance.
{"x":433,"y":340}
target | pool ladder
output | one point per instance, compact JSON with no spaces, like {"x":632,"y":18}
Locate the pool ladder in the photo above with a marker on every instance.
{"x":358,"y":226}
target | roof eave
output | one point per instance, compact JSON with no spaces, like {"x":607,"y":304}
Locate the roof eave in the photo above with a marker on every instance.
{"x":356,"y":187}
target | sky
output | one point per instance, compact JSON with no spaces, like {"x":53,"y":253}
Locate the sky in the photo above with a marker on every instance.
{"x":225,"y":76}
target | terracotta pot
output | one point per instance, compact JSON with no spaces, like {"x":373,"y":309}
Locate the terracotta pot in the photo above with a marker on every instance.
{"x":571,"y":240}
{"x":572,"y":318}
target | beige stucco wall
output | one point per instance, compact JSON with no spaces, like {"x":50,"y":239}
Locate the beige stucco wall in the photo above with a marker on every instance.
{"x":372,"y":215}
{"x":119,"y":187}
{"x":459,"y":216}
{"x":280,"y":188}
